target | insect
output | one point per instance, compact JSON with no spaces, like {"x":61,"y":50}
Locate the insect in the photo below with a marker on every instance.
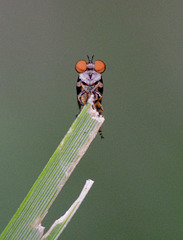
{"x":90,"y":82}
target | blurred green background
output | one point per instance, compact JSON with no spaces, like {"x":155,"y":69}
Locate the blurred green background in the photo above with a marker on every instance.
{"x":138,"y":167}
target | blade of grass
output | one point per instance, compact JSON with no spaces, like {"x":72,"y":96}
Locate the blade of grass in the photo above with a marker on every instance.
{"x":60,"y":224}
{"x":26,"y":223}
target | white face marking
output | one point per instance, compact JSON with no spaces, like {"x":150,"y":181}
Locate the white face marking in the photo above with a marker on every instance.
{"x":85,"y":77}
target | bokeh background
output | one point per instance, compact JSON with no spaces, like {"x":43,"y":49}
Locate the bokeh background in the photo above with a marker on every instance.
{"x":138,"y":167}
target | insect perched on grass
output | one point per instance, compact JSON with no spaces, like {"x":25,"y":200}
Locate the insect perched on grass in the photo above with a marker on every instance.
{"x":90,"y":82}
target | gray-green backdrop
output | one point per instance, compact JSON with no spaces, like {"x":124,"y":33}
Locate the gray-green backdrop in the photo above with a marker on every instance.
{"x":138,"y":167}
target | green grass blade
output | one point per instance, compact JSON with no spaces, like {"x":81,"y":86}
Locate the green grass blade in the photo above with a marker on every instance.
{"x":60,"y":224}
{"x":26,"y":223}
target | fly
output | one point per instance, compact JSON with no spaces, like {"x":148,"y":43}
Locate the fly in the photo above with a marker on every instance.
{"x":90,"y":82}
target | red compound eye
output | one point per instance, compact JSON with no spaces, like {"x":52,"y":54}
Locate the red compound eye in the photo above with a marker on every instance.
{"x":81,"y":66}
{"x":99,"y":66}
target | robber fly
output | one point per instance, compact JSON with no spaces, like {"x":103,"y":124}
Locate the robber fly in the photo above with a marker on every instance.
{"x":90,"y":82}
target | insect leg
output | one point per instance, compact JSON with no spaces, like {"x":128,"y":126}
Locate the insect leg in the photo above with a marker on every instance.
{"x":82,"y":98}
{"x":100,"y":133}
{"x":99,"y":107}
